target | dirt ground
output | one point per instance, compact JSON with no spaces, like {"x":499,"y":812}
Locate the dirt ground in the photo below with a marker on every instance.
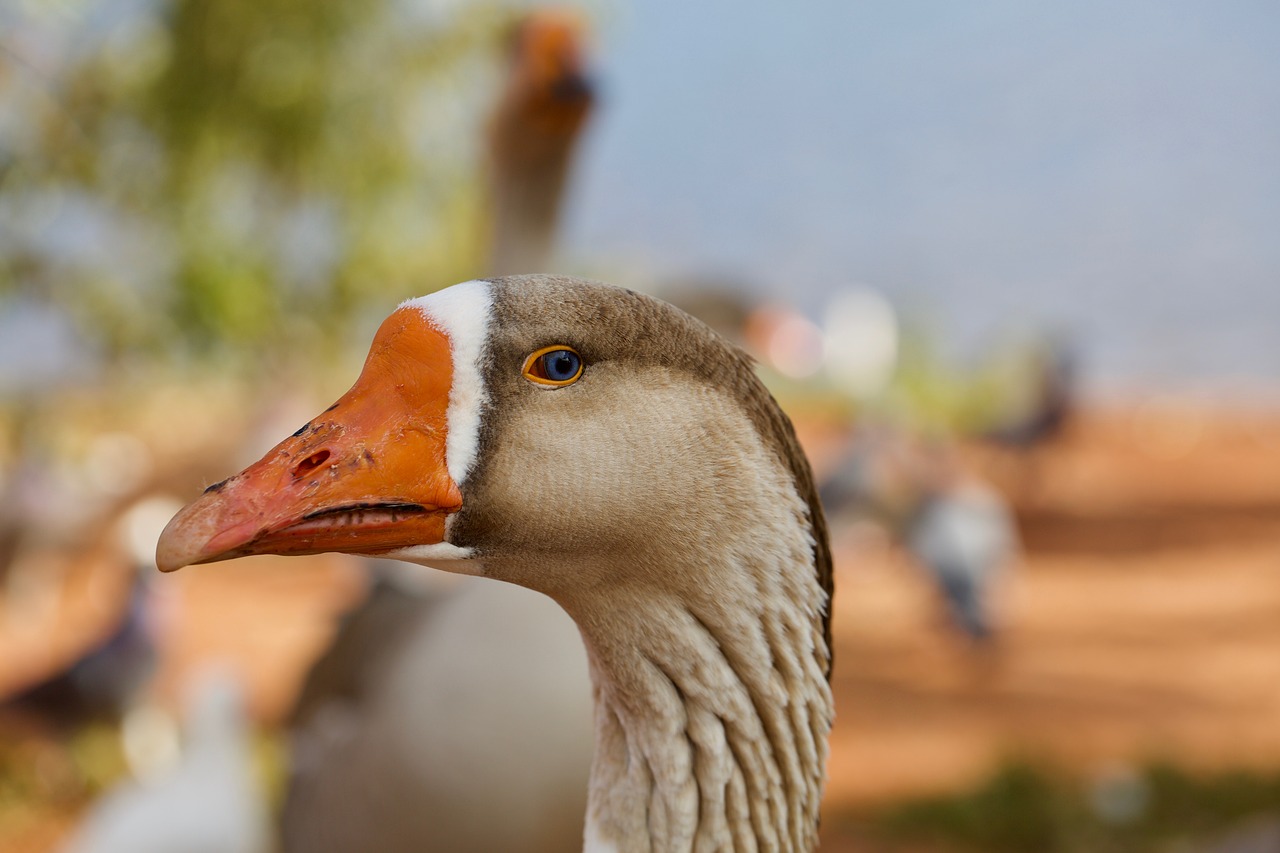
{"x":1142,"y":621}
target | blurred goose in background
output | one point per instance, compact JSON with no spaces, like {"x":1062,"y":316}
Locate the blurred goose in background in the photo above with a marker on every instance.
{"x":390,"y":751}
{"x":964,"y":537}
{"x":457,"y":719}
{"x":1034,"y":403}
{"x":209,"y":802}
{"x":957,"y":529}
{"x":609,"y":451}
{"x":1046,"y":402}
{"x":532,"y":138}
{"x":109,"y":679}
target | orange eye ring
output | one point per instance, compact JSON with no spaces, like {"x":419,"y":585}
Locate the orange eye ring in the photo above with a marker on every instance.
{"x":553,"y":366}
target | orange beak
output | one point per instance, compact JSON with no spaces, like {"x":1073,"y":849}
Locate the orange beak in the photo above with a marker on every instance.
{"x":368,"y":476}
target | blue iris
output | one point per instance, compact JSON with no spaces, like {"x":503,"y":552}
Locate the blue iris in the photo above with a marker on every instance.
{"x":561,"y":365}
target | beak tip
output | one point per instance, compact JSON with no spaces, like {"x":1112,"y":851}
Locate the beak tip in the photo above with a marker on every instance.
{"x":184,"y":539}
{"x":170,"y":553}
{"x":167,"y":562}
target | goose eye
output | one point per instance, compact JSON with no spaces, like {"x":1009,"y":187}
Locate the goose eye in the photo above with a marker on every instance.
{"x":558,"y":365}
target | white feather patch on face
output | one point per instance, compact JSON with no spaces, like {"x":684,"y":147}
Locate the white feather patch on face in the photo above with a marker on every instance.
{"x":442,"y":555}
{"x":462,"y":312}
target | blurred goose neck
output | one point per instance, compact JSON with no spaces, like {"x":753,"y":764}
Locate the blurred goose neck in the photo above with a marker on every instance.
{"x":526,"y":210}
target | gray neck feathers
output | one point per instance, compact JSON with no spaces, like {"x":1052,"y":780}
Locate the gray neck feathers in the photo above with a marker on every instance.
{"x":713,"y":708}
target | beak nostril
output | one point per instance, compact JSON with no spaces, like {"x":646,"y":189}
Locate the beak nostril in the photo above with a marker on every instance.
{"x":311,"y":463}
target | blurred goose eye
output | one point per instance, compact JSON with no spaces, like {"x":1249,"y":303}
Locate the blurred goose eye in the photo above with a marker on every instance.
{"x":555,"y":366}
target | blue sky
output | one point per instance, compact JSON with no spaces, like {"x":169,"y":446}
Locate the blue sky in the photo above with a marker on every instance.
{"x":1108,"y":168}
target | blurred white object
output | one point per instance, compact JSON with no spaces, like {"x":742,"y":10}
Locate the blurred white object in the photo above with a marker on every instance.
{"x":210,"y":801}
{"x":860,"y":342}
{"x":151,"y":740}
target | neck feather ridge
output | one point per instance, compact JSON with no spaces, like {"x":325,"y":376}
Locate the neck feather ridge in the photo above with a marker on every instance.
{"x":713,"y":710}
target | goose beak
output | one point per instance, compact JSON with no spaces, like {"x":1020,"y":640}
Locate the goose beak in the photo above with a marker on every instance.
{"x":367,"y":476}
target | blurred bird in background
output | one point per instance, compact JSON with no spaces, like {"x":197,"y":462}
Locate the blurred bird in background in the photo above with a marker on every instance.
{"x":110,"y":678}
{"x":1033,"y":412}
{"x":963,"y":536}
{"x":1043,"y":408}
{"x":107,"y":681}
{"x":958,"y":530}
{"x":462,"y":722}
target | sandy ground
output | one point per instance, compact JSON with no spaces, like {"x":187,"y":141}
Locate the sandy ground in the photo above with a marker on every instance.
{"x":1142,"y":621}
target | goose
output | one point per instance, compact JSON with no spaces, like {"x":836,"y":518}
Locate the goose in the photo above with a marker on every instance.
{"x":602,"y":448}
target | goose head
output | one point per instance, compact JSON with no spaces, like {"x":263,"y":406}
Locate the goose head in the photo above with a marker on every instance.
{"x":547,"y":81}
{"x":605,"y":449}
{"x":510,"y":428}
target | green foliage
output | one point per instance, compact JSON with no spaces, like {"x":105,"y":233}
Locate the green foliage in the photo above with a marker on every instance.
{"x":187,"y":173}
{"x":1025,"y":808}
{"x":1020,"y":808}
{"x":61,"y":773}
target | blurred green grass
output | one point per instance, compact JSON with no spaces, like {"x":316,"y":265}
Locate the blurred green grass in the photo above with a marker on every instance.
{"x":1028,"y":807}
{"x":1024,"y":807}
{"x":47,"y":778}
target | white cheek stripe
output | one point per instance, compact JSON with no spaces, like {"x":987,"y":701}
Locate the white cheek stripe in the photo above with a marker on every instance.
{"x":462,"y":312}
{"x":441,"y":555}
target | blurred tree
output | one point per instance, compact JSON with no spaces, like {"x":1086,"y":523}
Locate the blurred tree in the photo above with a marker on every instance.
{"x":181,"y":175}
